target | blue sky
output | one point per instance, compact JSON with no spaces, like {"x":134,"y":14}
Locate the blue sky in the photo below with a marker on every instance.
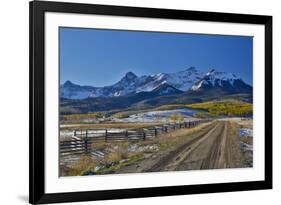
{"x":102,"y":57}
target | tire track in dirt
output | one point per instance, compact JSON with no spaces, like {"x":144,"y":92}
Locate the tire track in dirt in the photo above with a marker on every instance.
{"x":173,"y":159}
{"x":201,"y":154}
{"x":215,"y":157}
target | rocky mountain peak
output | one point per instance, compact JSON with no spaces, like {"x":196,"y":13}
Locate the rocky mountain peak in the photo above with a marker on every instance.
{"x":68,"y":83}
{"x":130,"y":75}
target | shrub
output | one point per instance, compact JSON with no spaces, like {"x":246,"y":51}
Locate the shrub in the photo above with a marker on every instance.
{"x":120,"y":152}
{"x":84,"y":166}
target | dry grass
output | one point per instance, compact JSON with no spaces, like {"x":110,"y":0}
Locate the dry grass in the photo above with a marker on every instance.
{"x":113,"y":167}
{"x":120,"y":152}
{"x":171,"y":138}
{"x":83,"y":165}
{"x":113,"y":157}
{"x":100,"y":145}
{"x":243,"y":159}
{"x":247,"y":140}
{"x":246,"y":123}
{"x":186,"y":131}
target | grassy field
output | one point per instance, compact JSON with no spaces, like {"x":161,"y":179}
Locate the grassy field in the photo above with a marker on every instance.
{"x":229,"y":107}
{"x":108,"y":125}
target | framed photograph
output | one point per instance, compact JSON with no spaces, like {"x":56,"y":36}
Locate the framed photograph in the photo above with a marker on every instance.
{"x":140,"y":102}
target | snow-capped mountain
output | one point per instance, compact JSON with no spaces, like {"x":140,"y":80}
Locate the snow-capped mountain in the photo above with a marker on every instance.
{"x":182,"y":80}
{"x":184,"y":87}
{"x":131,"y":83}
{"x":70,"y":90}
{"x":168,"y":83}
{"x":224,"y":81}
{"x":123,"y":87}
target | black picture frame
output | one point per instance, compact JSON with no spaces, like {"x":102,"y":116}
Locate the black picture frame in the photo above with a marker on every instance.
{"x":37,"y":10}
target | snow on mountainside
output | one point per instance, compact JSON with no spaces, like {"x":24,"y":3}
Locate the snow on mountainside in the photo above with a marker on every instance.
{"x":182,"y":80}
{"x":123,"y":87}
{"x":225,"y":81}
{"x":73,"y":91}
{"x":131,"y":83}
{"x":170,"y":83}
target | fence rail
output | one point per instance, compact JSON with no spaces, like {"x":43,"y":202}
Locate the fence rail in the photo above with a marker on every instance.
{"x":82,"y":140}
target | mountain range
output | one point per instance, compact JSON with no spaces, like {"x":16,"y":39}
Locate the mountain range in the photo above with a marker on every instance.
{"x":161,"y":84}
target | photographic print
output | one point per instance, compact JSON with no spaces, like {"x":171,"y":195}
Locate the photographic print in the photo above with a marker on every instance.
{"x":129,"y":102}
{"x":143,"y":101}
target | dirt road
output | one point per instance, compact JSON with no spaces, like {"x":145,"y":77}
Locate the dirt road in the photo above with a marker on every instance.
{"x":216,"y":146}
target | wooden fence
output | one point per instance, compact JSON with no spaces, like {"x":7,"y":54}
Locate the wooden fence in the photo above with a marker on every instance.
{"x":82,"y":140}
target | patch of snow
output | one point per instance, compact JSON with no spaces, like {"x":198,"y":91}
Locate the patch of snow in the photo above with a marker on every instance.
{"x":197,"y":86}
{"x":245,"y":132}
{"x":214,"y":78}
{"x":97,"y":168}
{"x":246,"y":146}
{"x":146,"y":148}
{"x":97,"y":154}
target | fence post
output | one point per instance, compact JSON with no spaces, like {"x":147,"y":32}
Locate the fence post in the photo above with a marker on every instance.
{"x":155,"y":131}
{"x":74,"y":133}
{"x":126,"y":134}
{"x":105,"y":136}
{"x":86,"y":145}
{"x":144,"y":135}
